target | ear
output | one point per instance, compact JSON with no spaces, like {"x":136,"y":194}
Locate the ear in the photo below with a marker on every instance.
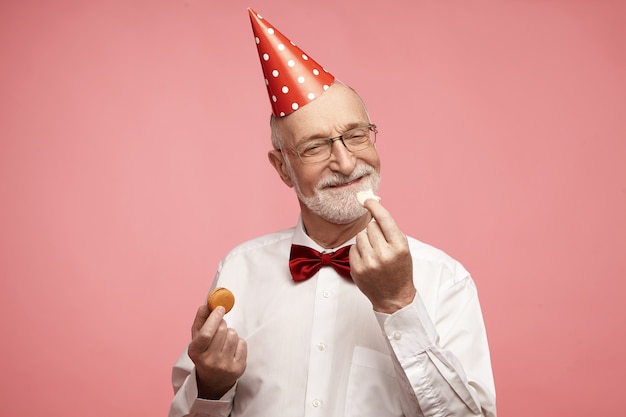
{"x":277,"y":160}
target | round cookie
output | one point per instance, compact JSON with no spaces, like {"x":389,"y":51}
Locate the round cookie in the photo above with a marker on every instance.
{"x":221,"y":297}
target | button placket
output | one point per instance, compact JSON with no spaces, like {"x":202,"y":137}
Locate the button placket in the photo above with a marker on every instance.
{"x":322,"y":330}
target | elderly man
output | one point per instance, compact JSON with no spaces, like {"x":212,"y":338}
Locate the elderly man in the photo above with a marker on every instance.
{"x":379,"y":324}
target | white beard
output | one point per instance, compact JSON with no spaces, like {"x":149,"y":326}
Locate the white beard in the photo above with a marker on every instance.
{"x":339,"y":206}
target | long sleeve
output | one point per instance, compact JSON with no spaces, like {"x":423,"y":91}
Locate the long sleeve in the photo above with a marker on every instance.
{"x":186,"y":401}
{"x":316,"y":349}
{"x":436,"y":381}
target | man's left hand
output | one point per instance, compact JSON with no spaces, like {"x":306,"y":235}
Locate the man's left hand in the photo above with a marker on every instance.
{"x":381,"y":264}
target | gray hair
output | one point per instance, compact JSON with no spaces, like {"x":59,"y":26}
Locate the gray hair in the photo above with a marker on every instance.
{"x":277,"y":140}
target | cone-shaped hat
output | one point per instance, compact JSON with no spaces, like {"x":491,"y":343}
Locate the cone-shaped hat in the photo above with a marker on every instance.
{"x":292,"y":77}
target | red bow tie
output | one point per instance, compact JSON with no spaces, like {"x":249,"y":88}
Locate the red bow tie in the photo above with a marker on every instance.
{"x":304,"y":262}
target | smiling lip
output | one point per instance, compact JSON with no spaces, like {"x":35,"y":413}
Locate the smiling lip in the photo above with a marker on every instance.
{"x":345,"y":184}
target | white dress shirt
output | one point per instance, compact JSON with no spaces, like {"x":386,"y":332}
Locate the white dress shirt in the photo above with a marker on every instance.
{"x":317,"y":348}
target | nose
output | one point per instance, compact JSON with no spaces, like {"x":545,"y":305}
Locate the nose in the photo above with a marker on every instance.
{"x":341,"y":159}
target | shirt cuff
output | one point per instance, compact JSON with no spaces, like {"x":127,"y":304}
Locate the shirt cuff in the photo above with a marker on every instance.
{"x":212,"y":408}
{"x":410,"y":330}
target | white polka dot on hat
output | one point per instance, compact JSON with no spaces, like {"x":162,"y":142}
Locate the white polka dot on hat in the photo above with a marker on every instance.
{"x":292,"y":77}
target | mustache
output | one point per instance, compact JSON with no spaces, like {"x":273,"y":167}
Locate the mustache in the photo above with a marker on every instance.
{"x":337,"y":179}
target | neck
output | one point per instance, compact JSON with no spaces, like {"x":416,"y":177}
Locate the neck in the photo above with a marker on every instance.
{"x":331,"y":235}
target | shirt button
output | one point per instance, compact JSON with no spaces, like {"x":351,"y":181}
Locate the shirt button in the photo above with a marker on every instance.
{"x":326,"y":294}
{"x":397,"y":335}
{"x":316,"y":403}
{"x":321,"y":346}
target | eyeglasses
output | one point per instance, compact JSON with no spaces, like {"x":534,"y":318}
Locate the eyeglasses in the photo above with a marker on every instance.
{"x":318,"y":150}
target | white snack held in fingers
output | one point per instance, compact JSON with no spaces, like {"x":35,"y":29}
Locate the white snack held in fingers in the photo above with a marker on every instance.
{"x":362,"y":196}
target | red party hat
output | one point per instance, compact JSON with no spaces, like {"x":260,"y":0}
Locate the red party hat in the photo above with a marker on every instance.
{"x":292,"y":78}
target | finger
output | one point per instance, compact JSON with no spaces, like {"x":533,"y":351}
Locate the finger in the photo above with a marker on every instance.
{"x":370,"y":244}
{"x":235,"y":353}
{"x":370,"y":240}
{"x":361,"y":244}
{"x":241,"y":353}
{"x":385,"y":221}
{"x":204,"y":336}
{"x":360,"y":251}
{"x":231,"y":342}
{"x":201,"y":316}
{"x":219,"y":337}
{"x":375,"y":235}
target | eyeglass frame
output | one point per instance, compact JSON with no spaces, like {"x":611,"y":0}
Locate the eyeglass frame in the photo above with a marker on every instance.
{"x":371,"y":127}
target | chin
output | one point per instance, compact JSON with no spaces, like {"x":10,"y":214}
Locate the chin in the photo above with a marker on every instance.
{"x":344,"y":220}
{"x":341,"y":212}
{"x":339,"y":206}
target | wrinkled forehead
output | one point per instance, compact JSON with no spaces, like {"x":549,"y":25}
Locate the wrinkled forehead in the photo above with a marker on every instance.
{"x":337,"y":110}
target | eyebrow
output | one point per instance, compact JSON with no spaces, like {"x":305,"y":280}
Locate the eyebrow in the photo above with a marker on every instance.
{"x":347,"y":127}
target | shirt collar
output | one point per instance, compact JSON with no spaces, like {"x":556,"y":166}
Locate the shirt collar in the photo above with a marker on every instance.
{"x":301,"y":238}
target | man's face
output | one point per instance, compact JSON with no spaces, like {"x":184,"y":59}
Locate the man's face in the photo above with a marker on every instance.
{"x":328,"y":188}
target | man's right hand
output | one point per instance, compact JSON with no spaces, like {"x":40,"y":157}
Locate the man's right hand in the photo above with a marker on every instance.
{"x":218,"y":353}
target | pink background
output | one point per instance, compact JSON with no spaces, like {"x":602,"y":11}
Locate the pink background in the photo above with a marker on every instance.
{"x":133,"y":139}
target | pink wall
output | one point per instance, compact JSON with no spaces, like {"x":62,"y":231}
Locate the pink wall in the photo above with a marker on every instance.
{"x":132,"y":157}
